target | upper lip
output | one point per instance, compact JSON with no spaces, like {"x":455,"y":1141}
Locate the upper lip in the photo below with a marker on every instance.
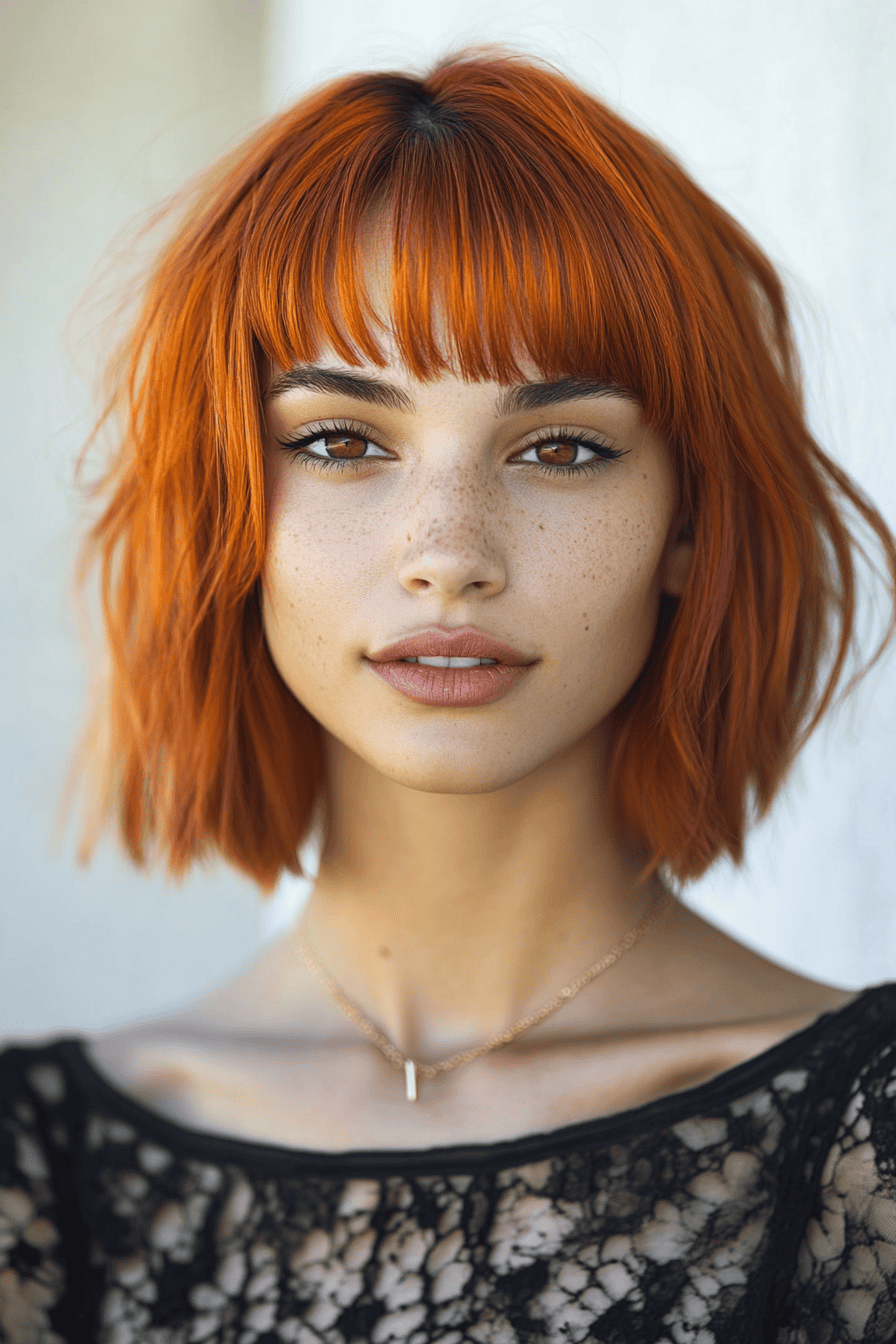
{"x":464,"y":642}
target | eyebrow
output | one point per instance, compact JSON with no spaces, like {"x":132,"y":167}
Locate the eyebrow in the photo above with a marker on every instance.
{"x":362,"y":387}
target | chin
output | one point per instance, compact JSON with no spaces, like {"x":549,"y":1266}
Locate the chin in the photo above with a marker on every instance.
{"x":451,"y":775}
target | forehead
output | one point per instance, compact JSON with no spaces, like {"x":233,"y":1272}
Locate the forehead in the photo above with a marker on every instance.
{"x":423,"y":294}
{"x":376,"y":255}
{"x":375,"y":278}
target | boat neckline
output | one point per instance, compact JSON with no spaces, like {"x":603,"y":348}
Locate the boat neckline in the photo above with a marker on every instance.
{"x":661,"y":1112}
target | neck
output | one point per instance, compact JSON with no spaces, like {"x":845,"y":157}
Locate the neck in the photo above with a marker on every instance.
{"x":447,"y":916}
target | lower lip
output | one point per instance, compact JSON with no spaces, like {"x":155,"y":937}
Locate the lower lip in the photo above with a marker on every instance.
{"x":451,"y":687}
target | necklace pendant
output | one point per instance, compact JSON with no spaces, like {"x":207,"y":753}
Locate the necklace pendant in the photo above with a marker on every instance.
{"x":410,"y":1079}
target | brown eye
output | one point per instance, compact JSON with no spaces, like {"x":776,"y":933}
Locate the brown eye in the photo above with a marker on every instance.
{"x":563,"y":452}
{"x":343,"y":445}
{"x":333,"y":448}
{"x":560,"y":453}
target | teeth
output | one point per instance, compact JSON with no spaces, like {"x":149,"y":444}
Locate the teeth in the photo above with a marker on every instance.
{"x":450,"y":662}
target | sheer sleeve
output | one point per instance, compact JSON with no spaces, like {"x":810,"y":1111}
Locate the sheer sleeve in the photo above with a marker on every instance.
{"x":32,"y":1268}
{"x":844,"y":1286}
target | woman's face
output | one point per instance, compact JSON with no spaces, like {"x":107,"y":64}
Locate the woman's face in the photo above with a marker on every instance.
{"x":460,"y":504}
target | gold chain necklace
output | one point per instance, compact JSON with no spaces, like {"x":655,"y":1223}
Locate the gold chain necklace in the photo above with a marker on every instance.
{"x":413,"y":1071}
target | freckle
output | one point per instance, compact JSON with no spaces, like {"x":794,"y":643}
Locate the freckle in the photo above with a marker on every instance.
{"x":384,"y":952}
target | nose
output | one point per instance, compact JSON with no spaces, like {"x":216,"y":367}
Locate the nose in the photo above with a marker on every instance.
{"x":451,"y":551}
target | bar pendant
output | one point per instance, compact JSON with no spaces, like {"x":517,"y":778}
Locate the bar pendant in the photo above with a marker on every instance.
{"x":410,"y":1078}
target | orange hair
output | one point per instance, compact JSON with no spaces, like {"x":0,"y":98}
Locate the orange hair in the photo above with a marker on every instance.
{"x":536,"y":220}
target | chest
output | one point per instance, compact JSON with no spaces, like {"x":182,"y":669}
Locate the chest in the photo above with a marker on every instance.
{"x":348,"y":1097}
{"x":603,"y":1242}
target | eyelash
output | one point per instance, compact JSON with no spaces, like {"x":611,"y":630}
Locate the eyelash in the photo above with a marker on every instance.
{"x":297,"y":447}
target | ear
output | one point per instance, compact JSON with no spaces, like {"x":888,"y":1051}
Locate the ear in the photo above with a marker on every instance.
{"x":678,"y":556}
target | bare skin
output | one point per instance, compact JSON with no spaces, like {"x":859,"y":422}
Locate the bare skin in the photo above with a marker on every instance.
{"x":470,"y":867}
{"x":269,"y":1059}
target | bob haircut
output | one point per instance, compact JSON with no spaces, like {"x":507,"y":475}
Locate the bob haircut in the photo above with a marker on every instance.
{"x":531,"y":218}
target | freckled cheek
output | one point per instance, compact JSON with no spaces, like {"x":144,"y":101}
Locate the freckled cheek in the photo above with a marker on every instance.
{"x":311,"y":584}
{"x":610,"y":590}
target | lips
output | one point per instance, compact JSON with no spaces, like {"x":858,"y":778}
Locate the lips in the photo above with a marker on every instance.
{"x":451,"y":687}
{"x":464,"y":642}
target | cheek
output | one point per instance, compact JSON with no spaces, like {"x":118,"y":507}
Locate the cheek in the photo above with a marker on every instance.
{"x":612,"y":598}
{"x":307,"y":579}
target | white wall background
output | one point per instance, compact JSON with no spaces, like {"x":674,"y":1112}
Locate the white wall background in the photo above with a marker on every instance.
{"x":106,"y":106}
{"x":785,"y":111}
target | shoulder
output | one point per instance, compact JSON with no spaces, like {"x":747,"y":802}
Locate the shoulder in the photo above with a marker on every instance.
{"x":853,"y":1059}
{"x":845,"y":1265}
{"x":861,"y":1040}
{"x":32,"y":1233}
{"x":30,"y":1068}
{"x":36,"y":1104}
{"x":865,"y":1041}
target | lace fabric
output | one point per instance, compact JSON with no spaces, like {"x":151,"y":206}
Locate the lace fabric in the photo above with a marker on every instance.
{"x":760,"y":1206}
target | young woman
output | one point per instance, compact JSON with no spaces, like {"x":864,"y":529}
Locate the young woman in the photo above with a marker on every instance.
{"x":463,"y":491}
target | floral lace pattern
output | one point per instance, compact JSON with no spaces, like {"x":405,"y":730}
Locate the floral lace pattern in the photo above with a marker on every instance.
{"x":760,"y":1206}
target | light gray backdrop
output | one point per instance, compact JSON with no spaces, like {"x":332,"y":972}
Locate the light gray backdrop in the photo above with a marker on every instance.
{"x":785,"y":112}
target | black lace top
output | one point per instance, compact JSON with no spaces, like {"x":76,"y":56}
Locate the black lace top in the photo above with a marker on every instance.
{"x":760,"y":1206}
